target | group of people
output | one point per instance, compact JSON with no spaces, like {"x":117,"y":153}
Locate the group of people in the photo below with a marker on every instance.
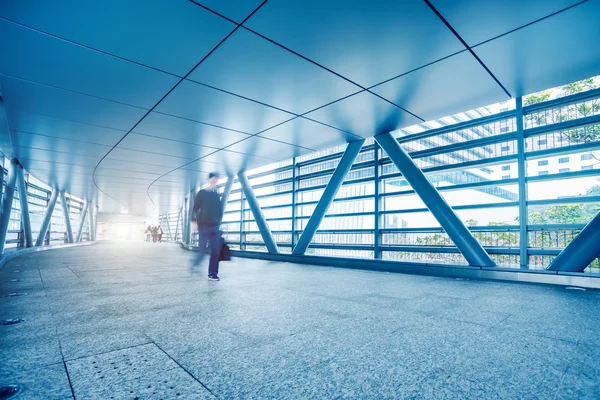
{"x":155,"y":232}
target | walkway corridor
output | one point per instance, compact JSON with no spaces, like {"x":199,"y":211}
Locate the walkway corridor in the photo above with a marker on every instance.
{"x":132,"y":320}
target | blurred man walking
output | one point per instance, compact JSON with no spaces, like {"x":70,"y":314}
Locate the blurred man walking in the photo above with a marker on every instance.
{"x":207,"y":213}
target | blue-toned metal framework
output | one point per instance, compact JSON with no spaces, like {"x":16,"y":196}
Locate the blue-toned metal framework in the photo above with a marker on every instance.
{"x":464,"y":157}
{"x":48,"y":224}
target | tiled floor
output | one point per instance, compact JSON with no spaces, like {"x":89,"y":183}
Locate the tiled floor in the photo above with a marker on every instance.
{"x":133,"y":320}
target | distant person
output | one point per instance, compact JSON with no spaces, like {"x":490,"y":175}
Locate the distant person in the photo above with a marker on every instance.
{"x":148,"y":233}
{"x":154,"y":234}
{"x":159,"y":233}
{"x":207,"y":213}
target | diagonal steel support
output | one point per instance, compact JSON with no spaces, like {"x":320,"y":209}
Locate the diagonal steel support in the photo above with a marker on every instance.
{"x":226,"y":192}
{"x":177,"y":225}
{"x":331,"y":190}
{"x":190,"y":226}
{"x":581,"y":251}
{"x":65,"y":208}
{"x":81,"y":222}
{"x":457,"y":231}
{"x":47,"y":218}
{"x":259,"y":218}
{"x":24,"y":201}
{"x":7,"y":202}
{"x":168,"y":226}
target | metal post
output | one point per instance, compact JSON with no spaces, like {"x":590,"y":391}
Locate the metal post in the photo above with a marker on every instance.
{"x":457,"y":231}
{"x":168,"y":226}
{"x":91,"y":223}
{"x":95,"y":218}
{"x":522,"y":171}
{"x":190,"y":225}
{"x":581,"y":251}
{"x":242,"y":235}
{"x":294,"y":186}
{"x":331,"y":190}
{"x":177,"y":225}
{"x":81,"y":221}
{"x":259,"y":218}
{"x":377,"y":235}
{"x":47,"y":218}
{"x":65,"y":208}
{"x":226,"y":192}
{"x":23,"y":200}
{"x":9,"y":194}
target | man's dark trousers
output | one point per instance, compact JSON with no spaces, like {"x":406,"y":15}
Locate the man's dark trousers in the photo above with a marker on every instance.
{"x":209,"y":237}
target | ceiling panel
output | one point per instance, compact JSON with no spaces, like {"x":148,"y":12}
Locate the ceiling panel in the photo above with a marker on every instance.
{"x":548,"y":53}
{"x":365,"y":43}
{"x":164,"y":146}
{"x":60,"y":128}
{"x":118,"y":167}
{"x":268,"y":148}
{"x":59,"y":145}
{"x":252,"y":67}
{"x":306,"y":133}
{"x":185,"y":130}
{"x":55,"y":157}
{"x":236,"y":10}
{"x":363,"y":114}
{"x":203,"y":104}
{"x":78,"y":69}
{"x":21,"y":96}
{"x":480,"y":20}
{"x":169,"y":35}
{"x":456,"y":84}
{"x":233,"y":162}
{"x":150,"y":160}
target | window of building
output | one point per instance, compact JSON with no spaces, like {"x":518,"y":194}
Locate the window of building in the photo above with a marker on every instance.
{"x":563,"y":160}
{"x":486,"y":170}
{"x":585,"y":157}
{"x":543,"y":173}
{"x":542,"y":142}
{"x":506,"y":177}
{"x":587,"y":167}
{"x":542,"y":163}
{"x":506,"y":168}
{"x":503,"y":129}
{"x":505,"y":148}
{"x":562,"y":170}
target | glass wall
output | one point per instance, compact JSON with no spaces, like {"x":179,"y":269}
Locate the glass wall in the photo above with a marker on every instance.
{"x":472,"y":158}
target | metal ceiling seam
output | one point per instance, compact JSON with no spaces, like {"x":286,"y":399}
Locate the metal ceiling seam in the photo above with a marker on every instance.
{"x":198,"y":122}
{"x":59,"y":138}
{"x":417,"y":69}
{"x":72,"y":91}
{"x":87,"y":47}
{"x":332,"y":71}
{"x":530,"y":23}
{"x":451,"y":28}
{"x":163,"y":97}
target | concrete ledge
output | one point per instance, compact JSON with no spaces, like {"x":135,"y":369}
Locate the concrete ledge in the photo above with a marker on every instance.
{"x":10,"y":254}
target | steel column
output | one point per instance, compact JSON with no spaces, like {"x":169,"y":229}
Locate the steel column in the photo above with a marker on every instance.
{"x":376,"y":233}
{"x":331,"y":190}
{"x":47,"y":218}
{"x":177,"y":225}
{"x":190,"y":225}
{"x":65,"y":208}
{"x":9,"y":194}
{"x":90,"y":223}
{"x":259,"y":218}
{"x":81,"y":221}
{"x":226,"y":192}
{"x":95,"y":218}
{"x":581,"y":251}
{"x":457,"y":231}
{"x":294,"y":186}
{"x":329,"y":193}
{"x":23,"y":200}
{"x":522,"y":175}
{"x":169,"y":226}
